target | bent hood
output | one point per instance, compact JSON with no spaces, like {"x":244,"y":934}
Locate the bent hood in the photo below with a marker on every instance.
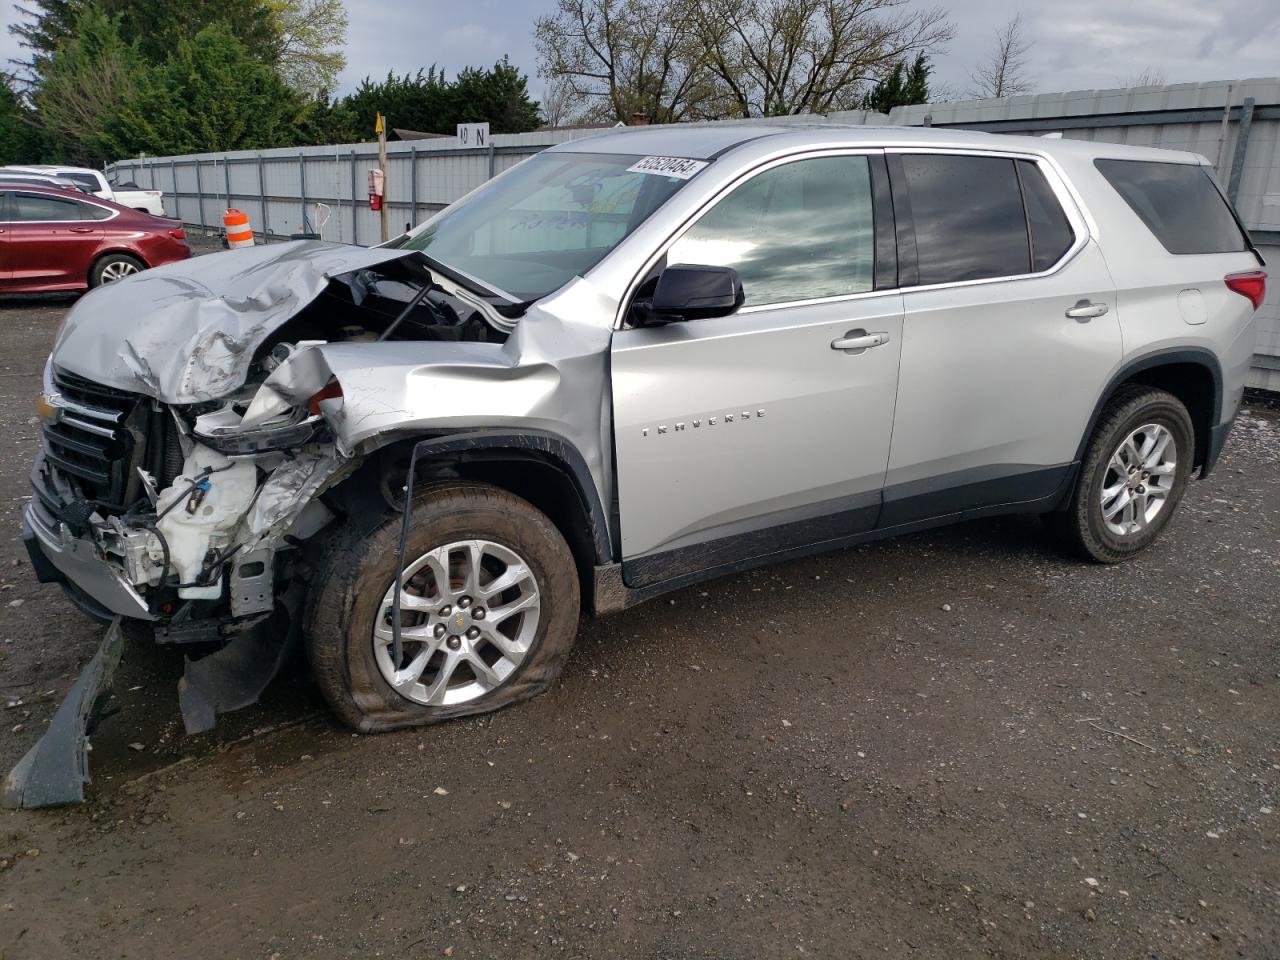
{"x":187,"y":332}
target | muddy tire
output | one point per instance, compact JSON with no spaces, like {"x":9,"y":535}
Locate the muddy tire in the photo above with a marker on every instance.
{"x":1134,"y":473}
{"x":466,"y":541}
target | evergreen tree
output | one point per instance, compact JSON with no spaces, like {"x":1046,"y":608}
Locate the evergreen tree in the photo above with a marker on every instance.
{"x":904,"y":85}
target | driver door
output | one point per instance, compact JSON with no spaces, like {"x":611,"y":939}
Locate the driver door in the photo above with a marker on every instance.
{"x":742,"y":437}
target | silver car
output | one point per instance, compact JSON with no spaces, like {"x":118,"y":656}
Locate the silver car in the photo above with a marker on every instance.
{"x":632,"y":363}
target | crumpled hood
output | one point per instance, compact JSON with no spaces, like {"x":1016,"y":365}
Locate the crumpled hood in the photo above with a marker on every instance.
{"x":186,"y":332}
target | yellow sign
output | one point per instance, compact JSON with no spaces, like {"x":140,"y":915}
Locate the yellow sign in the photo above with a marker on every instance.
{"x":377,"y":127}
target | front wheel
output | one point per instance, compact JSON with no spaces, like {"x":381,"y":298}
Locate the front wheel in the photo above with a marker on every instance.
{"x":489,"y":605}
{"x":1133,"y":475}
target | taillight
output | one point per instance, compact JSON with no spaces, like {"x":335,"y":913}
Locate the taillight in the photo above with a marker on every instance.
{"x":178,"y":233}
{"x":1252,"y":285}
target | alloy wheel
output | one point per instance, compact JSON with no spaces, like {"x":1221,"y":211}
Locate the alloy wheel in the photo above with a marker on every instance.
{"x":118,"y":270}
{"x":1139,"y":479}
{"x":469,"y":613}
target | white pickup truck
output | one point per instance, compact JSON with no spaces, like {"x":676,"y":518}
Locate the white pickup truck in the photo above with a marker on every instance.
{"x":127,"y":195}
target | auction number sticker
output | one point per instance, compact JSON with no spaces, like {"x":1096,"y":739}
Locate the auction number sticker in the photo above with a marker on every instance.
{"x":677,"y":167}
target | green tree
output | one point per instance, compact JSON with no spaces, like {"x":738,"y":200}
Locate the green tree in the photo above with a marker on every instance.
{"x":903,"y":86}
{"x":157,"y":26}
{"x":311,"y":35}
{"x":19,"y":137}
{"x":86,"y":81}
{"x":211,"y":95}
{"x":430,"y":102}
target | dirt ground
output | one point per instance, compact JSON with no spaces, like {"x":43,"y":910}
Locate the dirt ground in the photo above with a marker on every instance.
{"x":957,"y":744}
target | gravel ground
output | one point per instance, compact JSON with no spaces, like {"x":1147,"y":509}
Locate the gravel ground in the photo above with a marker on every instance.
{"x":956,"y":744}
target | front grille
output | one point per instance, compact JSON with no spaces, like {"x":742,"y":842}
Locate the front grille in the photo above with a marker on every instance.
{"x":97,"y":441}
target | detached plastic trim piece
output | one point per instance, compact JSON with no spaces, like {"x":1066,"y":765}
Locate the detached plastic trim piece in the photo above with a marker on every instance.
{"x":55,"y":770}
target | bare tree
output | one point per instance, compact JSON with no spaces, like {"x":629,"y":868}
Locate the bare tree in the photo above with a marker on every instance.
{"x":1004,"y":73}
{"x":622,"y":58}
{"x":778,"y":57}
{"x":699,"y":59}
{"x":558,"y":102}
{"x":1146,"y":77}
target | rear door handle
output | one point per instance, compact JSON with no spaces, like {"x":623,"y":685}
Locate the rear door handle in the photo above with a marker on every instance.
{"x":82,"y":229}
{"x":855,"y":341}
{"x":1086,"y":310}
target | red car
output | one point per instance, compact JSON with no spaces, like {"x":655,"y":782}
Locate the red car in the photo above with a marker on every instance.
{"x":52,"y":240}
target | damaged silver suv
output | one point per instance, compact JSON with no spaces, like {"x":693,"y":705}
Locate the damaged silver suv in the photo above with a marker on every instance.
{"x":629,"y":363}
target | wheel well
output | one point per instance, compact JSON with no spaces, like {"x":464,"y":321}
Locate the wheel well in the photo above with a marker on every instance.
{"x":538,"y":477}
{"x":124,"y":253}
{"x":1192,"y":383}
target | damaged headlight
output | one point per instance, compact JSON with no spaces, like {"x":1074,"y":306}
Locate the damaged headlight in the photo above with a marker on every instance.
{"x":223,"y":431}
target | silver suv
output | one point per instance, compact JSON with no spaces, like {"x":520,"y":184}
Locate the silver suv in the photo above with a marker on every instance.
{"x":628,"y":364}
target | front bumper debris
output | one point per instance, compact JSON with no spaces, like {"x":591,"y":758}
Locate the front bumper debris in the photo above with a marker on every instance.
{"x":55,"y":770}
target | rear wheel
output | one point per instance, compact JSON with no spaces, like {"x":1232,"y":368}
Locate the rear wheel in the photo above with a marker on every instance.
{"x":113,"y":267}
{"x":1134,"y":473}
{"x":488,"y":605}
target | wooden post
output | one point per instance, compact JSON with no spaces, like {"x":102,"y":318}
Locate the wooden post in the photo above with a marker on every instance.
{"x":382,"y":165}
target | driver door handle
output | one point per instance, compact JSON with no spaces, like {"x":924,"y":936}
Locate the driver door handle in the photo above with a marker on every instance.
{"x":1086,"y":310}
{"x":855,"y":341}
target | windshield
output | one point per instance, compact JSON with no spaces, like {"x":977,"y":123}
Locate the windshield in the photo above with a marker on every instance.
{"x":550,"y":219}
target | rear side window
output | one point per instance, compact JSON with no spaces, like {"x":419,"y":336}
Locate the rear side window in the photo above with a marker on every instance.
{"x":1179,"y":203}
{"x":1051,"y":233}
{"x":42,"y":208}
{"x":968,"y":216}
{"x":91,"y":211}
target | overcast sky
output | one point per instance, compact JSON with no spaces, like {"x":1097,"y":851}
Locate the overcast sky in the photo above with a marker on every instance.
{"x":1076,"y":45}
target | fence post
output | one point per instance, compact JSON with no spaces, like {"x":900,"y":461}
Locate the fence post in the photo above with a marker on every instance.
{"x":1242,"y":145}
{"x":262,"y":192}
{"x":226,"y":178}
{"x":177,"y":201}
{"x":302,"y":188}
{"x":413,"y":183}
{"x":491,"y":158}
{"x":355,"y":233}
{"x":199,"y":194}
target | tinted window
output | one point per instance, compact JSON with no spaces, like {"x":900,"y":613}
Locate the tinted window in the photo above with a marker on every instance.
{"x":1051,"y":234}
{"x":91,"y":211}
{"x":84,"y":179}
{"x":968,"y":215}
{"x":41,"y":207}
{"x":796,"y":232}
{"x":1178,"y":202}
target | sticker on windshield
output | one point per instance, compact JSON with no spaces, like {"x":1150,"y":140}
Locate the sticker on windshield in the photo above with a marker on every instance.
{"x":677,"y":167}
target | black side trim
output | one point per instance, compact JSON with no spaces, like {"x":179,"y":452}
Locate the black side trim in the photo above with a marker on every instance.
{"x":790,"y":529}
{"x":534,"y":441}
{"x":1159,"y":358}
{"x":885,"y":231}
{"x":904,"y":223}
{"x":611,"y":592}
{"x":1217,"y":439}
{"x":969,"y":490}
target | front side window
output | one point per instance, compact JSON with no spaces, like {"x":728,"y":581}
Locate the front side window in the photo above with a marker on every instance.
{"x":799,"y":231}
{"x":968,"y":216}
{"x":550,"y":219}
{"x":42,"y":208}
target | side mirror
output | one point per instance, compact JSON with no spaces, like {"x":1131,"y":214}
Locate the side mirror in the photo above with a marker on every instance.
{"x":691,"y":292}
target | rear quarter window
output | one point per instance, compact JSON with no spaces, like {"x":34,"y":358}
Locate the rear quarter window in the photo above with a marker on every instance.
{"x":1179,"y":203}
